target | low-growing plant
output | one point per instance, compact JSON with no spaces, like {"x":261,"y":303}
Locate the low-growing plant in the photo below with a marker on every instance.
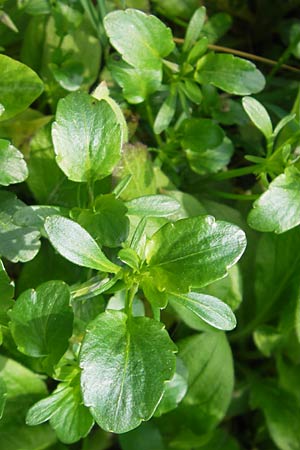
{"x":147,"y":201}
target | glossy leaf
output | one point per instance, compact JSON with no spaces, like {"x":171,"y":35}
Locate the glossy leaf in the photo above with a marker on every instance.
{"x":193,"y":252}
{"x":175,"y":390}
{"x":16,"y":243}
{"x":19,"y":87}
{"x":230,"y":74}
{"x":278,"y":208}
{"x":137,"y":84}
{"x":258,"y":115}
{"x":42,"y":321}
{"x":208,"y":308}
{"x":76,"y":244}
{"x":142,"y":40}
{"x":123,"y":382}
{"x":70,"y":419}
{"x":107,"y":222}
{"x":86,"y":137}
{"x":13,"y":166}
{"x":153,"y":206}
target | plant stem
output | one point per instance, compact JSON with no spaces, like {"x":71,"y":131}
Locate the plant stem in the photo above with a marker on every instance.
{"x":233,"y":173}
{"x":129,"y":299}
{"x":151,"y":121}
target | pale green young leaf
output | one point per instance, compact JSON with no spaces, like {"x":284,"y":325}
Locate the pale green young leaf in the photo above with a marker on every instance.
{"x":42,"y":321}
{"x":12,"y":163}
{"x":153,"y":206}
{"x":102,"y":93}
{"x":86,"y":137}
{"x":19,"y":87}
{"x":258,"y":115}
{"x":210,"y":309}
{"x":198,"y":50}
{"x":136,"y":162}
{"x":230,"y":74}
{"x":278,"y":209}
{"x":134,"y":368}
{"x":193,"y":252}
{"x":76,"y":244}
{"x":194,"y":28}
{"x":166,"y":112}
{"x":143,"y":40}
{"x":137,"y":83}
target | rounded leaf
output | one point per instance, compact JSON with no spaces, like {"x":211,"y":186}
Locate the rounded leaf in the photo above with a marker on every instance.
{"x":125,"y":363}
{"x":86,"y":137}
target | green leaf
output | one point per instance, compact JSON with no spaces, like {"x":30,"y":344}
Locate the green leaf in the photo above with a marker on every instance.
{"x":107,"y":222}
{"x":46,"y":181}
{"x":76,"y":244}
{"x":258,"y":115}
{"x":122,"y":383}
{"x":16,"y":243}
{"x":211,"y":160}
{"x":68,"y":416}
{"x":278,"y":209}
{"x":210,"y":309}
{"x":137,"y":84}
{"x":230,"y":74}
{"x":102,"y":93}
{"x":6,"y":286}
{"x":13,"y":166}
{"x":175,"y":390}
{"x":145,"y":437}
{"x":193,"y":252}
{"x":94,"y":127}
{"x":23,"y":389}
{"x":166,"y":112}
{"x":136,"y":162}
{"x":229,"y":289}
{"x":42,"y":321}
{"x":153,"y":206}
{"x":216,"y":27}
{"x":210,"y":380}
{"x":142,"y":40}
{"x":200,"y":135}
{"x":19,"y":87}
{"x":194,"y":28}
{"x":192,"y":91}
{"x":3,"y":395}
{"x":197,"y":50}
{"x":281,"y":411}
